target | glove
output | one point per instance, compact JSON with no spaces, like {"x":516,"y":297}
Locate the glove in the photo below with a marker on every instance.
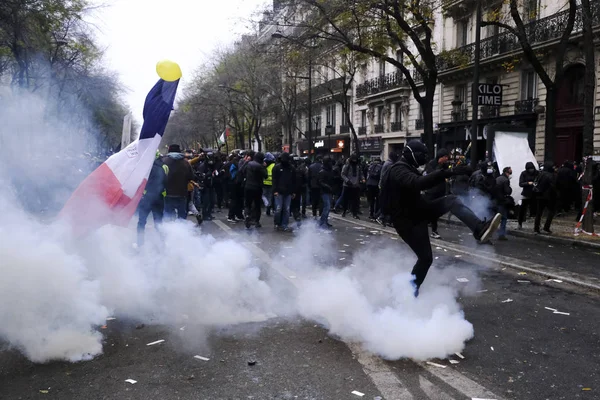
{"x":462,"y":170}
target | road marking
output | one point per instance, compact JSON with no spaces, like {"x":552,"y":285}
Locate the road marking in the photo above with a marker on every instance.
{"x":386,"y":381}
{"x":461,"y":383}
{"x":432,"y":391}
{"x":383,"y":377}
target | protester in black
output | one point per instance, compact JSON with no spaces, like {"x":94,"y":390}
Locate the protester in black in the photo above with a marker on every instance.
{"x":254,"y":173}
{"x":527,"y":180}
{"x":373,"y":178}
{"x":439,"y":190}
{"x":411,"y":212}
{"x":546,"y":197}
{"x":315,"y":190}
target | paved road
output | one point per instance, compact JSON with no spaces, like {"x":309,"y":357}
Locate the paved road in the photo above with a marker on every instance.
{"x":520,"y":350}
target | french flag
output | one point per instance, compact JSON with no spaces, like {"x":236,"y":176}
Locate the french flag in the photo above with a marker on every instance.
{"x":110,"y":194}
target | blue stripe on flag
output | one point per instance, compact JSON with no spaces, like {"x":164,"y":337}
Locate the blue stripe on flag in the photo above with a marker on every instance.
{"x":157,"y":108}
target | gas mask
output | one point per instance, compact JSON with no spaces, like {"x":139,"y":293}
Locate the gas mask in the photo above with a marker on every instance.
{"x":419,"y":159}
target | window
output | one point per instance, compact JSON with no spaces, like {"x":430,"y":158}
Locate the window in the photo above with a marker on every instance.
{"x":380,"y":116}
{"x":400,"y":57}
{"x":460,"y":94}
{"x":528,"y":85}
{"x":363,"y":118}
{"x":462,"y":31}
{"x":381,"y":68}
{"x":531,"y":10}
{"x":398,"y":113}
{"x":331,"y":117}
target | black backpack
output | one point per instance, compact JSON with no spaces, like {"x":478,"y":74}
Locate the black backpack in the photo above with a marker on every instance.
{"x":386,"y":193}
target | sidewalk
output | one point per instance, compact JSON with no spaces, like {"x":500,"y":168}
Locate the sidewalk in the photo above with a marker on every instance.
{"x":578,"y":266}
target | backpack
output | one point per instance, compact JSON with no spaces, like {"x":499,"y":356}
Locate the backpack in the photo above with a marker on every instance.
{"x":386,"y":195}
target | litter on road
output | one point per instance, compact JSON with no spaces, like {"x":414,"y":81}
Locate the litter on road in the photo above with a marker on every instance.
{"x":477,"y":398}
{"x":523,"y":281}
{"x":157,"y":342}
{"x":458,"y":256}
{"x":342,"y":259}
{"x":346,"y":245}
{"x":438,"y":248}
{"x":357,"y":393}
{"x":375,"y":232}
{"x":522,"y":273}
{"x":482,"y":291}
{"x":110,"y":318}
{"x":561,"y":313}
{"x":462,"y":280}
{"x":360,"y":228}
{"x":551,"y":309}
{"x":202,"y":358}
{"x":44,"y":391}
{"x":182,"y":328}
{"x":459,"y":355}
{"x":554,"y":280}
{"x":342,"y":251}
{"x":507,"y":301}
{"x":435,"y":364}
{"x":492,"y":347}
{"x":133,"y":382}
{"x":453,"y":361}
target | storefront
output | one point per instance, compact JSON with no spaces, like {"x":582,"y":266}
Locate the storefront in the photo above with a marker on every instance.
{"x":335,"y":145}
{"x":370,"y":147}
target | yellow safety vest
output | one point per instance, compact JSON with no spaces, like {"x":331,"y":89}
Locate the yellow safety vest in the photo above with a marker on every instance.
{"x":269,"y":180}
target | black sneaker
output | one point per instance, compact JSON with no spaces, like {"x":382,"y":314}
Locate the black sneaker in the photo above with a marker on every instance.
{"x":488,"y":229}
{"x":547,"y":231}
{"x":248,"y":223}
{"x":199,"y":219}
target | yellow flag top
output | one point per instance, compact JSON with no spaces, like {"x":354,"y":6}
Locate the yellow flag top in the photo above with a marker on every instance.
{"x":168,"y":70}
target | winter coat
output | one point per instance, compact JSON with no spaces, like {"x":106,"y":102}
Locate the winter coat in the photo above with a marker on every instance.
{"x":374,"y":174}
{"x":301,"y":179}
{"x":406,"y":185}
{"x":440,"y":189}
{"x":352,"y":175}
{"x":313,"y":171}
{"x":254,"y":173}
{"x":180,"y":173}
{"x":206,"y":174}
{"x":546,"y":186}
{"x":503,"y":190}
{"x":527,"y":177}
{"x":284,"y":179}
{"x":326,"y":179}
{"x":386,"y":166}
{"x":156,"y":182}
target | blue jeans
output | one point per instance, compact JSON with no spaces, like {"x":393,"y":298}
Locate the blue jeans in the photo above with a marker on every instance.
{"x":326,"y":198}
{"x":339,"y":201}
{"x":282,"y":210}
{"x":175,"y":204}
{"x":502,"y":230}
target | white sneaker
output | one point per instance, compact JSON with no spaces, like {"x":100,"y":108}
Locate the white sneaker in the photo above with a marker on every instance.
{"x":435,"y":235}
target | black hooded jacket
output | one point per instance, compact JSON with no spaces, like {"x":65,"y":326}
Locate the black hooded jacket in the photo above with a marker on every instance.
{"x":527,"y":177}
{"x":255,"y":173}
{"x":546,"y":184}
{"x":313,"y":171}
{"x":284,"y":178}
{"x":406,"y":185}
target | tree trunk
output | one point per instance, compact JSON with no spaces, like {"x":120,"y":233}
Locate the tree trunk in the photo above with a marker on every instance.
{"x":550,"y":128}
{"x":589,"y":80}
{"x":427,"y":107}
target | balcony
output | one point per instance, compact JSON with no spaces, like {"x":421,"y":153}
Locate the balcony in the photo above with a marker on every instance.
{"x":419,"y":124}
{"x":396,"y":126}
{"x":379,"y":129}
{"x":344,"y":129}
{"x":526,"y":106}
{"x":382,"y":83}
{"x":539,"y":31}
{"x":362,"y":130}
{"x":460,"y":115}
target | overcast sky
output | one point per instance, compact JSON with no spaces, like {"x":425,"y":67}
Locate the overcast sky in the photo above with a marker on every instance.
{"x":138,"y":33}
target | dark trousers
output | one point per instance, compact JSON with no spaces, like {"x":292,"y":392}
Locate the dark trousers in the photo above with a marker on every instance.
{"x":208,"y":202}
{"x":526,"y":204}
{"x":296,"y":205}
{"x":543,"y":204}
{"x":219,"y":194}
{"x":176,"y":204}
{"x":351,"y":198}
{"x":236,"y":201}
{"x":373,"y":199}
{"x":415,"y":233}
{"x":253,"y":203}
{"x":146,"y":207}
{"x":315,"y":199}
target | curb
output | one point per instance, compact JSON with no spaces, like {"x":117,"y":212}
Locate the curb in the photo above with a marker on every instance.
{"x":508,"y":262}
{"x":539,"y":238}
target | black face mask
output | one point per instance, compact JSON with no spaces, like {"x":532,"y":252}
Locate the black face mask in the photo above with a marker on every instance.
{"x":417,"y":158}
{"x":531,"y":170}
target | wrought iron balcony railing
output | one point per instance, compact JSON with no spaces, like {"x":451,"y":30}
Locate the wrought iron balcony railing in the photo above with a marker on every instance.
{"x":344,"y":129}
{"x":526,"y":106}
{"x":419,"y":124}
{"x":538,"y":31}
{"x":460,"y":115}
{"x":396,"y":126}
{"x":382,"y":83}
{"x":378,"y":129}
{"x":362,"y":130}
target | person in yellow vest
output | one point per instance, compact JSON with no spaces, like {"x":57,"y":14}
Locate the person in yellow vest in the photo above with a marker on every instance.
{"x":153,"y":199}
{"x":268,"y":183}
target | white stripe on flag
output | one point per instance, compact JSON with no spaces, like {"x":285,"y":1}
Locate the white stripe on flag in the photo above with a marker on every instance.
{"x":133,"y":164}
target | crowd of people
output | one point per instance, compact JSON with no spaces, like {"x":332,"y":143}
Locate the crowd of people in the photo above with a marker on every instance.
{"x":408,"y":192}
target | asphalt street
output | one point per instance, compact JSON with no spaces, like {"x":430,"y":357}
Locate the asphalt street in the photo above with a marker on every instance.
{"x":521,"y":350}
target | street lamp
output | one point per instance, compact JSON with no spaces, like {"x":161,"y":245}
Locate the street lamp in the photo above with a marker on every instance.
{"x":278,"y":35}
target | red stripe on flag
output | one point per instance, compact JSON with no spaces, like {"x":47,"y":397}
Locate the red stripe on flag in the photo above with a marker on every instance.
{"x":99,"y":200}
